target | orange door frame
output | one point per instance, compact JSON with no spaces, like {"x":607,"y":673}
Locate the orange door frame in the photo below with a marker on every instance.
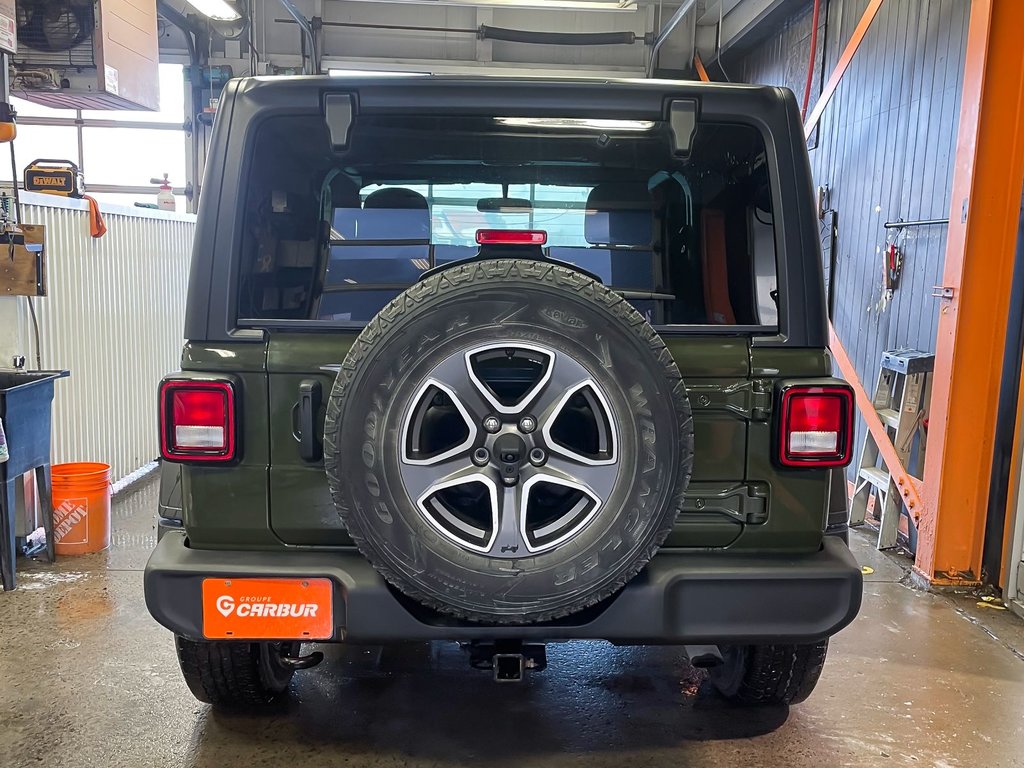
{"x":987,"y":183}
{"x":988,"y":178}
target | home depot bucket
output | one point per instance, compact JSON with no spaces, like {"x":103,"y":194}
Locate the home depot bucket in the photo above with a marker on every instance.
{"x":81,"y":508}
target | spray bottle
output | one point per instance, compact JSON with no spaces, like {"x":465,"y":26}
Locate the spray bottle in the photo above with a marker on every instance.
{"x":4,"y":453}
{"x":165,"y":197}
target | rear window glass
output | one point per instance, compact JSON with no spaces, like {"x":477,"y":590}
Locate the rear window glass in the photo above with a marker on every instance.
{"x":334,"y":236}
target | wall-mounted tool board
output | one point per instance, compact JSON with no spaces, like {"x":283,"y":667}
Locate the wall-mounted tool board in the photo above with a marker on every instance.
{"x":25,"y":273}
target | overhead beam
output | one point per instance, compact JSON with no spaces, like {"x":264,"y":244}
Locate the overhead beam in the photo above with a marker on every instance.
{"x":715,"y":9}
{"x":684,"y":8}
{"x":749,"y":21}
{"x":988,"y":179}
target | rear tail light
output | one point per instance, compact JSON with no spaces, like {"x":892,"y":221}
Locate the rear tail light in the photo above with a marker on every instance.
{"x":511,"y":237}
{"x":816,"y":426}
{"x":197,"y":420}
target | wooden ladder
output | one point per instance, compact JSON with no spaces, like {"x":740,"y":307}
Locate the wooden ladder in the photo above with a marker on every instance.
{"x":901,"y":398}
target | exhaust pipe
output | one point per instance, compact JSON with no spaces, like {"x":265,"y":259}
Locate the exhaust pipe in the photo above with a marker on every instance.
{"x":301,"y":662}
{"x":703,"y":656}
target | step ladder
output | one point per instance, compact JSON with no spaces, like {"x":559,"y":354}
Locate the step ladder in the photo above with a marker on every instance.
{"x":901,"y":396}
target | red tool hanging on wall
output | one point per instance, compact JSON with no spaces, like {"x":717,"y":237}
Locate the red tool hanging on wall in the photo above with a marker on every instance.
{"x":893,"y":266}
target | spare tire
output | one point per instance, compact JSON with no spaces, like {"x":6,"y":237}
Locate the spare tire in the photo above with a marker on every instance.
{"x":508,"y":441}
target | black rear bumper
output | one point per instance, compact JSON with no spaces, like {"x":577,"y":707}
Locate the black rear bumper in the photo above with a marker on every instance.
{"x":691,"y":597}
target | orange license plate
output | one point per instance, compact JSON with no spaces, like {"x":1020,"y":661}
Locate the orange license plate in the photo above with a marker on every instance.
{"x":268,"y":609}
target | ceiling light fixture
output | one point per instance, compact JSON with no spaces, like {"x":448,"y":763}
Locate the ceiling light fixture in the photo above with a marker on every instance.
{"x":218,"y":10}
{"x":337,"y":72}
{"x":533,"y":5}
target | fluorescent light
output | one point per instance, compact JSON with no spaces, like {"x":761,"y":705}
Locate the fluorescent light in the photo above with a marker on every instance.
{"x":374,"y":73}
{"x":552,"y":5}
{"x":218,"y":10}
{"x":577,"y":122}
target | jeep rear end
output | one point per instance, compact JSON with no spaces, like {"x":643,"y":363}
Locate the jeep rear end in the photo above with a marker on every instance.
{"x":505,"y":362}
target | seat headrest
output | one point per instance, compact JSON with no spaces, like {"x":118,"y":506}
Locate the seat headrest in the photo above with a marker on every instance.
{"x":395,"y":197}
{"x":619,"y":214}
{"x":395,"y":213}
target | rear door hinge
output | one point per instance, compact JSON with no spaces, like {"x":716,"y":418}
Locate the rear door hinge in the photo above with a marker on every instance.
{"x":745,"y":503}
{"x":748,"y":399}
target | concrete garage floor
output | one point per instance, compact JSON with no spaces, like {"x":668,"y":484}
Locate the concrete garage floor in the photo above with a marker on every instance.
{"x":88,"y":679}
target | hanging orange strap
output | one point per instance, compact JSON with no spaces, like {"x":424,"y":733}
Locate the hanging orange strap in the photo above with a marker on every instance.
{"x":698,"y":64}
{"x":716,"y":271}
{"x":97,"y":226}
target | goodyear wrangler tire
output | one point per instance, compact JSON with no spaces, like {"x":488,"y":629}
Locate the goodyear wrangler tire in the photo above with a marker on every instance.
{"x":769,"y":675}
{"x":508,"y":441}
{"x":235,"y":674}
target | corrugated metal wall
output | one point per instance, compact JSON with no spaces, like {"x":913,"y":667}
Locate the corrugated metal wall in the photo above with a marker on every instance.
{"x":885,"y":149}
{"x":113,"y":317}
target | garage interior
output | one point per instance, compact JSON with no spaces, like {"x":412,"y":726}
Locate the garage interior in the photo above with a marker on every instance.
{"x":913,"y":112}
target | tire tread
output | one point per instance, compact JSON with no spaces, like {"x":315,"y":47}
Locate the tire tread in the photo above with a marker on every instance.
{"x":780,"y":674}
{"x":224,"y":673}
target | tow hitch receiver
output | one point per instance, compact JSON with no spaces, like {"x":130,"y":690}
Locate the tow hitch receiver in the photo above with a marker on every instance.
{"x":507,"y":659}
{"x":509,"y":667}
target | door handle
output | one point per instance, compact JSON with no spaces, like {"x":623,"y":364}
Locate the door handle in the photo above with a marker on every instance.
{"x":310,"y":398}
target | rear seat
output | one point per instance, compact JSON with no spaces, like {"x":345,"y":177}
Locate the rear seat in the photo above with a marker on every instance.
{"x":394,"y":213}
{"x":619,"y":226}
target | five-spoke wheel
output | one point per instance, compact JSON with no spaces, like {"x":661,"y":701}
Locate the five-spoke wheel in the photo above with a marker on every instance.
{"x":509,"y":449}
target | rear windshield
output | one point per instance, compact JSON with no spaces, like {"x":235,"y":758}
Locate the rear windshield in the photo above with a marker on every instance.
{"x":333,"y":236}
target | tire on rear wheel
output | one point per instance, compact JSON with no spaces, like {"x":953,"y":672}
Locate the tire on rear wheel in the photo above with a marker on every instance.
{"x":758,"y":675}
{"x":234,"y":674}
{"x":505,"y":304}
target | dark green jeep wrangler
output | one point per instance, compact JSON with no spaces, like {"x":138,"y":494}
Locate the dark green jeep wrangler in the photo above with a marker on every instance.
{"x":504,"y":362}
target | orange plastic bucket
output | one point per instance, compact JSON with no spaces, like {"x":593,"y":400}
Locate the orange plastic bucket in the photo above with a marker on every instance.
{"x":81,"y":507}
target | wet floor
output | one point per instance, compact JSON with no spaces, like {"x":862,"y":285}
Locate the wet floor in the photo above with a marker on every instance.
{"x":88,"y":679}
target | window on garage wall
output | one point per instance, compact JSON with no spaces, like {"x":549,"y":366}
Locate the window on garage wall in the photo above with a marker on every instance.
{"x":455,"y":216}
{"x":118,"y":151}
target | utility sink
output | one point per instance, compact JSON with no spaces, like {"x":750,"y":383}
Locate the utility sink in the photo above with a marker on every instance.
{"x":25,"y":410}
{"x":25,"y":398}
{"x":10,"y":379}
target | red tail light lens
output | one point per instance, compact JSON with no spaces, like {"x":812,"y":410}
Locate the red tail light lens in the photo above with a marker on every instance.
{"x":816,"y":425}
{"x":197,"y":420}
{"x":511,"y":237}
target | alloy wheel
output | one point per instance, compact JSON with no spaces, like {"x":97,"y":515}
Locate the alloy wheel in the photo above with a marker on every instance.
{"x":509,"y":449}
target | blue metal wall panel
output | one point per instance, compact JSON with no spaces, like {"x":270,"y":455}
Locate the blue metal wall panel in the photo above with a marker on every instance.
{"x":884,"y":148}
